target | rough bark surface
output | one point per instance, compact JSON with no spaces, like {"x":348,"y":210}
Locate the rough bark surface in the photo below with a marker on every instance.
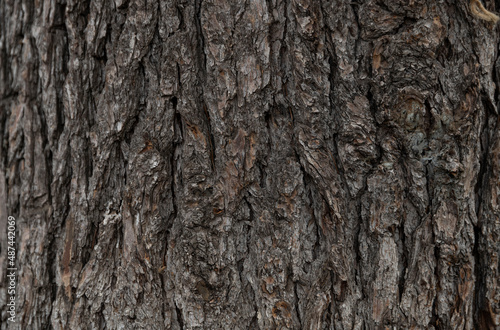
{"x":251,"y":164}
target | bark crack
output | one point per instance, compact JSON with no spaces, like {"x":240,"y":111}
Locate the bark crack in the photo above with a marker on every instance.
{"x":202,"y":57}
{"x":178,"y":140}
{"x":483,"y":163}
{"x":211,"y":140}
{"x":297,"y":303}
{"x":179,"y":316}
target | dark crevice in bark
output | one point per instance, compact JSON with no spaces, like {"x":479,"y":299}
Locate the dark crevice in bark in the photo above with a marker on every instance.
{"x":179,"y":316}
{"x":435,"y":320}
{"x":89,"y":160}
{"x":103,"y":59}
{"x":332,"y":77}
{"x":250,"y":235}
{"x":404,"y":257}
{"x":484,"y":137}
{"x":354,"y":8}
{"x":174,"y":101}
{"x":179,"y":80}
{"x":307,"y":180}
{"x":406,"y":25}
{"x":121,"y":155}
{"x":9,"y":97}
{"x":59,"y":110}
{"x":84,"y":12}
{"x":177,"y":141}
{"x":211,"y":140}
{"x":52,"y":270}
{"x":334,"y":143}
{"x":254,"y":324}
{"x":4,"y":138}
{"x":262,"y":174}
{"x":283,"y":51}
{"x":102,"y":319}
{"x":329,"y":314}
{"x":202,"y":58}
{"x":65,"y":205}
{"x":60,"y":85}
{"x":384,"y":6}
{"x":481,"y":318}
{"x":89,"y":168}
{"x":252,"y":294}
{"x":165,"y":307}
{"x":119,"y":240}
{"x":263,"y":163}
{"x":373,"y":105}
{"x":28,"y":17}
{"x":5,"y":88}
{"x":178,"y":134}
{"x":92,"y":109}
{"x":131,"y":125}
{"x":429,"y":173}
{"x":429,"y":122}
{"x":202,"y":73}
{"x":495,"y":78}
{"x":143,"y":85}
{"x":47,"y":152}
{"x":310,"y":190}
{"x":240,"y":267}
{"x":129,"y":132}
{"x":251,"y":212}
{"x":337,"y":162}
{"x":301,"y":166}
{"x":316,"y":250}
{"x":59,"y":21}
{"x":297,"y":305}
{"x":94,"y":234}
{"x":124,"y":5}
{"x":182,"y":23}
{"x":405,"y":254}
{"x":445,"y":52}
{"x":357,"y":246}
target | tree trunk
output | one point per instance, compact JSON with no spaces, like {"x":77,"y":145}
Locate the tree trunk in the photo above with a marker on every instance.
{"x":250,"y":164}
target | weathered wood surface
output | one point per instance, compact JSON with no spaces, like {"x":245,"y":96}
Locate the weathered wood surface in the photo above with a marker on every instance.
{"x":251,"y":164}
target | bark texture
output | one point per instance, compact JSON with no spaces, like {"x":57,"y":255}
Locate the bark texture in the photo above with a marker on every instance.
{"x":251,"y":164}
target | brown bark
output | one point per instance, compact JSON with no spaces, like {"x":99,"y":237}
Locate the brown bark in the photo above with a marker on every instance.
{"x":251,"y":164}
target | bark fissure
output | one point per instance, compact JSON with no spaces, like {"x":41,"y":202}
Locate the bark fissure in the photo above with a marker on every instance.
{"x":482,"y":175}
{"x":180,"y":319}
{"x":202,"y":57}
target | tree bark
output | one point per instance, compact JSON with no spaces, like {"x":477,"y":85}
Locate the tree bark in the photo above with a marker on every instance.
{"x":250,"y":164}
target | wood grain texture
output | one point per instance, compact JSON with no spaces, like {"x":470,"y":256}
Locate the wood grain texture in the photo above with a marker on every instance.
{"x":251,"y":164}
